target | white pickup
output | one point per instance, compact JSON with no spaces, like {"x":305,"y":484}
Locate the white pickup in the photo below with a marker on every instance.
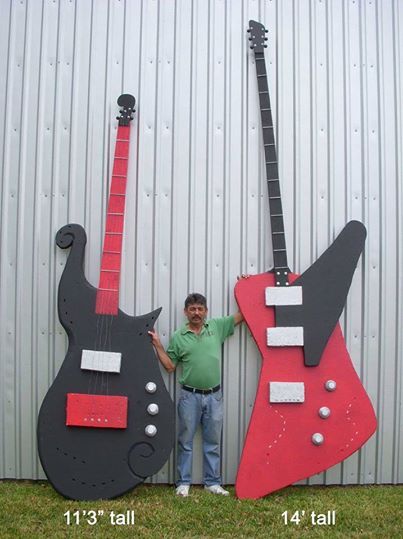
{"x":95,"y":360}
{"x":285,"y":336}
{"x":287,"y":391}
{"x":283,"y":295}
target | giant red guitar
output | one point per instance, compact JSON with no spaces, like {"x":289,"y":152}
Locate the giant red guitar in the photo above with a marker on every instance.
{"x":311,"y":410}
{"x":107,"y":421}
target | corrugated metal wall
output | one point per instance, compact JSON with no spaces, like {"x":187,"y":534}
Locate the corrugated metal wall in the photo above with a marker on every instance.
{"x":197,"y":211}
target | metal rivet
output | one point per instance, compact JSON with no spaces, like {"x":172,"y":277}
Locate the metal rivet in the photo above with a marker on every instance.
{"x":330,"y":385}
{"x":150,"y":430}
{"x":318,"y":438}
{"x":153,"y":409}
{"x":324,"y":412}
{"x":151,"y":387}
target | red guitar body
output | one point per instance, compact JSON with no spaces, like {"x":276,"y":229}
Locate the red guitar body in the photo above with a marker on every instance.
{"x":278,"y":449}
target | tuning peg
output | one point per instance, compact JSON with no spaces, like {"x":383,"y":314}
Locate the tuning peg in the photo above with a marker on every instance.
{"x":266,"y":31}
{"x":248,"y":30}
{"x":265,"y":46}
{"x":266,"y":39}
{"x":250,"y":39}
{"x":251,"y":47}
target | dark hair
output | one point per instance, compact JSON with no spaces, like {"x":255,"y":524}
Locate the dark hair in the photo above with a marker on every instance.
{"x":195,"y":299}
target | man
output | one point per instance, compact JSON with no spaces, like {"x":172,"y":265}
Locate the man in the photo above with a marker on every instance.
{"x":197,"y":346}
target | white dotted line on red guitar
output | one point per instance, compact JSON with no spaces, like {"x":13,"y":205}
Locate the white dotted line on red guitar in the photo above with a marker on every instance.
{"x":354,"y":424}
{"x":280,"y":435}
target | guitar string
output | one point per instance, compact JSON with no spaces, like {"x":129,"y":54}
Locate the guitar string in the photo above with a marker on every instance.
{"x":100,"y":304}
{"x":103,"y":336}
{"x":262,"y":72}
{"x":107,"y":296}
{"x":117,"y":228}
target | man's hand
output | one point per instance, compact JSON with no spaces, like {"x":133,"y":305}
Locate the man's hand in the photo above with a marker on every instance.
{"x":162,"y":355}
{"x":155,"y":339}
{"x":238,"y":317}
{"x":242,"y":276}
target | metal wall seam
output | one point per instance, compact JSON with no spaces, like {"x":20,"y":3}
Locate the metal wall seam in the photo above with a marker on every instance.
{"x":388,"y":242}
{"x":398,"y":437}
{"x":5,"y":27}
{"x":233,"y":364}
{"x":164,"y":179}
{"x":371,"y":289}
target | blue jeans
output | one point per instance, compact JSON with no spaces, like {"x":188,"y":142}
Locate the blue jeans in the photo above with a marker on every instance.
{"x":195,"y":408}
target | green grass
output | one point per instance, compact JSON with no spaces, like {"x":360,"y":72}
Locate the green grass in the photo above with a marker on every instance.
{"x":34,"y":509}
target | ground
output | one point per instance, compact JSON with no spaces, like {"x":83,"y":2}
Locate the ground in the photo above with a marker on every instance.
{"x":35,"y":510}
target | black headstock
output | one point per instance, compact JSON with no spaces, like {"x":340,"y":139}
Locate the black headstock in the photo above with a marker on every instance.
{"x":127,"y":102}
{"x":257,"y":36}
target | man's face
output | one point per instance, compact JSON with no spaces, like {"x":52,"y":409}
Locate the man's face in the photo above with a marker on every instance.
{"x":196,"y":314}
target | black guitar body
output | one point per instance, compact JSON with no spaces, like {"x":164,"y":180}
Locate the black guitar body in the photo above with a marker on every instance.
{"x":85,"y":463}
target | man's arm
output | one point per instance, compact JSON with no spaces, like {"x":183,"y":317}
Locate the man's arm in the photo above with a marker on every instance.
{"x":166,"y":361}
{"x":238,"y":318}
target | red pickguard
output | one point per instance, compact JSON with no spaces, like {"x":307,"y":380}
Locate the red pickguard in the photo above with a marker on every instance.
{"x":278,"y":449}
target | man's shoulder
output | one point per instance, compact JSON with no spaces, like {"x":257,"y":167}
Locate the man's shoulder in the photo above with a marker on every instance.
{"x":223,"y":326}
{"x":220,"y":319}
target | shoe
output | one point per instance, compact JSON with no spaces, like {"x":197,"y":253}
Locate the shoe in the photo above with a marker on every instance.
{"x":182,"y":490}
{"x":216,"y":489}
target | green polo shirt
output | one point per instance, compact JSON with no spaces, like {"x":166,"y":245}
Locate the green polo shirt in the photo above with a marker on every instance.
{"x":200,"y":355}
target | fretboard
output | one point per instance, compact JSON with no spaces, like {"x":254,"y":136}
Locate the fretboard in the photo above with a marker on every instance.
{"x":107,"y":300}
{"x":273,"y":184}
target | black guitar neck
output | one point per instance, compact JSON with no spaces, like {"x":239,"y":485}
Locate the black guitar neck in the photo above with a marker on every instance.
{"x":325,"y":284}
{"x":258,"y":37}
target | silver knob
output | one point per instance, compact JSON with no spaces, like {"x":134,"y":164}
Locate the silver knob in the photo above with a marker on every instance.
{"x":330,"y":385}
{"x":150,"y":430}
{"x":153,"y":409}
{"x":324,"y":412}
{"x":151,"y":387}
{"x":318,"y":438}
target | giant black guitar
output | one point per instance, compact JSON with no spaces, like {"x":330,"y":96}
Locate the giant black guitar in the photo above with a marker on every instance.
{"x":107,"y":421}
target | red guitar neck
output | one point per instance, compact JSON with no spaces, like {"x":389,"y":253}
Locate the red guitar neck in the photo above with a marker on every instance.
{"x":107,"y":300}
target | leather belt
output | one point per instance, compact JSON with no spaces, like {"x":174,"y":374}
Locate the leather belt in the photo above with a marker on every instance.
{"x":202,"y":391}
